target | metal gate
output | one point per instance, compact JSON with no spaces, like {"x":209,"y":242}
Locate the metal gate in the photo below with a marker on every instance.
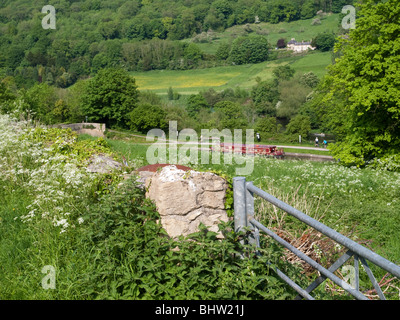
{"x":244,"y":193}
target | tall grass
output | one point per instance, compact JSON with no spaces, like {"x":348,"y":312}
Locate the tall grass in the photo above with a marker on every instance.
{"x":54,"y":213}
{"x":361,"y":202}
{"x":101,"y":235}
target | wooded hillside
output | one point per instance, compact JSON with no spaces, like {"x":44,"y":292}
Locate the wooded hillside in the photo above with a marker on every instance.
{"x":137,"y":35}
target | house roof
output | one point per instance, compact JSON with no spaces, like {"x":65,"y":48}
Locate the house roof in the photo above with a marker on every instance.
{"x":294,"y":42}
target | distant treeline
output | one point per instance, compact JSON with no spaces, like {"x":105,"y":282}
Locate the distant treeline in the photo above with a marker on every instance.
{"x":136,"y":35}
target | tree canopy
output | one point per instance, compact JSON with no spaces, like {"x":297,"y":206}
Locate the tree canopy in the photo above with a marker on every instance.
{"x":135,"y":35}
{"x":359,"y":98}
{"x":109,"y":97}
{"x":250,"y":49}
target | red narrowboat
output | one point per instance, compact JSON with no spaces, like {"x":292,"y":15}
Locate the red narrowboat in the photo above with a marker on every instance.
{"x":256,"y":149}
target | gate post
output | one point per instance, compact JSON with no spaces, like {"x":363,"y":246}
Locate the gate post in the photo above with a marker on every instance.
{"x":239,"y":203}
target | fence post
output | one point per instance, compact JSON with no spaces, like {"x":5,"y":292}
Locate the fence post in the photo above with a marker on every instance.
{"x":239,"y":202}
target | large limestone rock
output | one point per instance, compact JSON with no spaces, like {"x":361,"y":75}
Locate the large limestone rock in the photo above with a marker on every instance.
{"x":185,"y":199}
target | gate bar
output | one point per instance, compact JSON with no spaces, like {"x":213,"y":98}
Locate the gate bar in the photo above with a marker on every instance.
{"x":348,"y":243}
{"x":311,"y":262}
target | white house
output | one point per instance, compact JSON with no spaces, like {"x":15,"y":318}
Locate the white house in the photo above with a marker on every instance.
{"x":299,"y":46}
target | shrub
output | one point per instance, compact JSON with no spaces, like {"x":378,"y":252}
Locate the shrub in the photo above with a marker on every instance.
{"x":284,"y":72}
{"x":223,"y":51}
{"x":310,"y":79}
{"x":281,"y":43}
{"x":299,"y":125}
{"x":146,"y":117}
{"x":133,"y":258}
{"x":324,"y":41}
{"x":267,"y":126}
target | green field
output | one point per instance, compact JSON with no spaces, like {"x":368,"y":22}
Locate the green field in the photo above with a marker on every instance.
{"x":243,"y":76}
{"x":300,"y":30}
{"x":219,"y":78}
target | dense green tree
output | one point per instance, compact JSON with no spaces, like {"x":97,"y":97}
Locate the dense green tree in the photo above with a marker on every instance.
{"x":308,"y":9}
{"x":250,"y":49}
{"x":267,"y":126}
{"x":362,"y":89}
{"x":6,"y":97}
{"x":283,"y":10}
{"x":110,"y":96}
{"x":230,"y":115}
{"x":195,"y":103}
{"x":324,"y":41}
{"x":265,"y":95}
{"x":223,"y":51}
{"x":284,"y":72}
{"x":309,"y":79}
{"x":39,"y":101}
{"x":193,"y":53}
{"x":299,"y":125}
{"x":146,"y":117}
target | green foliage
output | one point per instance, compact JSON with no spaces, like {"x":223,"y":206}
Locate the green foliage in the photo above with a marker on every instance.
{"x":299,"y":125}
{"x":389,"y":163}
{"x":195,"y":103}
{"x":361,"y":90}
{"x":308,"y":9}
{"x":310,"y":79}
{"x":267,"y":126}
{"x":193,"y":53}
{"x":250,"y":49}
{"x":39,"y":101}
{"x":146,"y":117}
{"x":6,"y":98}
{"x":173,"y":95}
{"x":293,"y":94}
{"x":133,"y":258}
{"x":120,"y":34}
{"x":110,"y":96}
{"x":284,"y":72}
{"x":265,"y":95}
{"x":230,"y":115}
{"x":324,"y":41}
{"x":223,"y":51}
{"x":65,"y":142}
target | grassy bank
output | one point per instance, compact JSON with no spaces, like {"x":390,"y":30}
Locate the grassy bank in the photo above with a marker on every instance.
{"x":104,"y":241}
{"x":100,"y":235}
{"x":300,"y":30}
{"x":360,"y":203}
